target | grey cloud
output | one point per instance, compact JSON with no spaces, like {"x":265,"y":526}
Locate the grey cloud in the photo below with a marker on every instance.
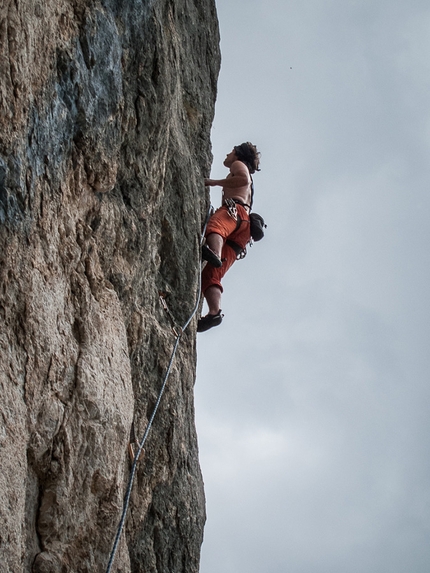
{"x":313,"y":397}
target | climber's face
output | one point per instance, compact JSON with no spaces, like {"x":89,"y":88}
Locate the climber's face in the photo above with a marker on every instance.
{"x":230,"y":158}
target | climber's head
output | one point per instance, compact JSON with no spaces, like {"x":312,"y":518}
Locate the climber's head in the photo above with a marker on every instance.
{"x":248,"y":154}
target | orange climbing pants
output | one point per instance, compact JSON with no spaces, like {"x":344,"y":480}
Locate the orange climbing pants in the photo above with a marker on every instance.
{"x":223,"y":224}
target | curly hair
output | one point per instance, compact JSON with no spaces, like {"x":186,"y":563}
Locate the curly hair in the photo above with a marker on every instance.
{"x":248,"y":154}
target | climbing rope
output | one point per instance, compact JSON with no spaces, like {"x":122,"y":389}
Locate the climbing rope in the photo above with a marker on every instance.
{"x":178,"y":333}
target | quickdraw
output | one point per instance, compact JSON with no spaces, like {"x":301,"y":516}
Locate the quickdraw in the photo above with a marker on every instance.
{"x":232,"y":209}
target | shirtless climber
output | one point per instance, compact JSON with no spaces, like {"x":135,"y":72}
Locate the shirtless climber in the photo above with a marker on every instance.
{"x":227,"y":232}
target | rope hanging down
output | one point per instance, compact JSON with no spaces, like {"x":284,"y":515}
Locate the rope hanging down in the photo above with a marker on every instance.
{"x":178,"y":333}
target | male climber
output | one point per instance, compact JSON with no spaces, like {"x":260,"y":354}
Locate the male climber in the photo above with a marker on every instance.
{"x":228,"y":230}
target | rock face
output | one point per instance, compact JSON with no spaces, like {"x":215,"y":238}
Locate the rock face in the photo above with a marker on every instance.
{"x":105,"y":113}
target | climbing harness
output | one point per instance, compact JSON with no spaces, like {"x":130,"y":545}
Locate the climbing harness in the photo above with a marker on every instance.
{"x":178,"y":330}
{"x":240,"y":251}
{"x":257,"y":224}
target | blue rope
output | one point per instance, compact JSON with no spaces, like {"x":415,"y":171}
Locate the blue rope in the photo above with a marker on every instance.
{"x":148,"y":427}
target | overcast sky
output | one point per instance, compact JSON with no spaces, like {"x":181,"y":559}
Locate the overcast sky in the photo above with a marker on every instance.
{"x":313,"y":396}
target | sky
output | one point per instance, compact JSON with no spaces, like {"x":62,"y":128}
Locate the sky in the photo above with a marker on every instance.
{"x":313,"y":396}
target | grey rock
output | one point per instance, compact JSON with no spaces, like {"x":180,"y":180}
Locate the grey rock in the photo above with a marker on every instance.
{"x":105,"y":116}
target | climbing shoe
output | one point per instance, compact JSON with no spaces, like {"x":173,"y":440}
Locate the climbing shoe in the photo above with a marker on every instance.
{"x":209,"y":256}
{"x":209,"y":321}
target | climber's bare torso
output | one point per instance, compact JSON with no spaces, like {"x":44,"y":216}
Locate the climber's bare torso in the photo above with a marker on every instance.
{"x":237,"y":184}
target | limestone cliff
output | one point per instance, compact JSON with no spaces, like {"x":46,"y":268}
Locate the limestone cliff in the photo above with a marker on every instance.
{"x":105,"y":113}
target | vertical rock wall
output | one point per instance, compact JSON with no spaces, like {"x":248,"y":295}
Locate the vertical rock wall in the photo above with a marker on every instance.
{"x":105,"y":113}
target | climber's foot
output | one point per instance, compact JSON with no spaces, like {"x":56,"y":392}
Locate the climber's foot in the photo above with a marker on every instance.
{"x":211,"y":257}
{"x":209,"y":321}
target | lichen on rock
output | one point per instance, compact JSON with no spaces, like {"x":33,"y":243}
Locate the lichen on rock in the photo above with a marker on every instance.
{"x":105,"y":116}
